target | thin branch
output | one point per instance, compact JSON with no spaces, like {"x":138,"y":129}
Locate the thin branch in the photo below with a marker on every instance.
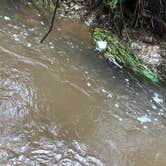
{"x":52,"y":22}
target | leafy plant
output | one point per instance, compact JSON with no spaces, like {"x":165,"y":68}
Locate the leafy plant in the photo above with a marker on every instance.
{"x":117,"y":51}
{"x":112,"y":3}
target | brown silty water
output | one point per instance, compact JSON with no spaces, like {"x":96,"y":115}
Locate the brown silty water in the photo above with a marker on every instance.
{"x":61,"y":105}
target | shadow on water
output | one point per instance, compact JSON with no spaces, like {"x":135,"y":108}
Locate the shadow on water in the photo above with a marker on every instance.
{"x":62,"y":105}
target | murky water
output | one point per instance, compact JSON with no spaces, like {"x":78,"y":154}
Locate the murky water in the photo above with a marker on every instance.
{"x":62,"y":105}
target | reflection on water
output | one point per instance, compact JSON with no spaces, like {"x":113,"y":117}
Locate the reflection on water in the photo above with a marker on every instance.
{"x":61,"y":105}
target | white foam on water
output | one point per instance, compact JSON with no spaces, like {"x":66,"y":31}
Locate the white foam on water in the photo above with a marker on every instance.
{"x":144,"y":119}
{"x":88,"y":84}
{"x":29,"y":45}
{"x":157,"y":98}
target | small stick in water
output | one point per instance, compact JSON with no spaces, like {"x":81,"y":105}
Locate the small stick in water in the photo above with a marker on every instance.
{"x":52,"y":22}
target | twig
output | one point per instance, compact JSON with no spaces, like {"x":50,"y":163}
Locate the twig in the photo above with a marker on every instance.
{"x":52,"y":22}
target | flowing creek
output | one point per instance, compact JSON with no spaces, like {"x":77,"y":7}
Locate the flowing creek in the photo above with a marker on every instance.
{"x":62,"y":105}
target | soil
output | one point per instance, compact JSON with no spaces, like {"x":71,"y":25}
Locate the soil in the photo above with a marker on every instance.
{"x":152,"y":51}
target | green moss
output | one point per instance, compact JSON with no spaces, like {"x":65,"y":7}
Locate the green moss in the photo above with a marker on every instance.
{"x":118,"y":51}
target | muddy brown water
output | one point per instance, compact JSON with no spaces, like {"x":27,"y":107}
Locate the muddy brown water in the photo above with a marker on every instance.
{"x":61,"y":105}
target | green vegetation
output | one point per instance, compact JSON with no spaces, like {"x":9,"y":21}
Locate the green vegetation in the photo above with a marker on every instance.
{"x":112,"y":3}
{"x":117,"y":51}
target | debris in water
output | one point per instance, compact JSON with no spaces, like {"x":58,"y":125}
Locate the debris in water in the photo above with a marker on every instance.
{"x":114,"y":61}
{"x":7,"y":18}
{"x":101,"y":45}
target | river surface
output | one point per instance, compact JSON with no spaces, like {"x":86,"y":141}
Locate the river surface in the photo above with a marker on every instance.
{"x":62,"y":105}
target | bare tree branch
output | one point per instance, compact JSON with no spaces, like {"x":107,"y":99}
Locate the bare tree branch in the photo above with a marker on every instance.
{"x":52,"y":22}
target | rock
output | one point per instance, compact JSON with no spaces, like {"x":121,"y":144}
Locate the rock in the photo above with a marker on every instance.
{"x":155,"y":57}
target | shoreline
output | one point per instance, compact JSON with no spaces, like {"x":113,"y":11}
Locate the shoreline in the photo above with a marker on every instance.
{"x":150,"y":48}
